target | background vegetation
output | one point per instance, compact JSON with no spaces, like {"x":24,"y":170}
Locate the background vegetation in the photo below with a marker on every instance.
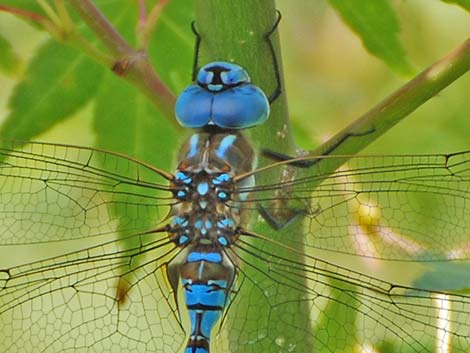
{"x":54,"y":92}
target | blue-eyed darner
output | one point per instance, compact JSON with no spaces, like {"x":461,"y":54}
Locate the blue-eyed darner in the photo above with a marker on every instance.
{"x":110,"y":297}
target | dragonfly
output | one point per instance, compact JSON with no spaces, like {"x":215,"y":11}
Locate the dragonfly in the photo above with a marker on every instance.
{"x":223,"y":256}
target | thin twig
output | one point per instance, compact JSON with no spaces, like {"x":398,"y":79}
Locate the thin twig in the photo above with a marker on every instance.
{"x":100,"y":25}
{"x":150,"y":22}
{"x":401,"y":103}
{"x":31,"y":16}
{"x":393,"y":109}
{"x":133,"y":65}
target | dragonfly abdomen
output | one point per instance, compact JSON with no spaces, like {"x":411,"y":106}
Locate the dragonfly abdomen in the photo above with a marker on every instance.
{"x":206,"y":278}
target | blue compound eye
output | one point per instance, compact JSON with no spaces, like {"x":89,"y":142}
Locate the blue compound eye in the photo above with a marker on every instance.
{"x":222,"y":96}
{"x":235,"y":75}
{"x":240,"y":107}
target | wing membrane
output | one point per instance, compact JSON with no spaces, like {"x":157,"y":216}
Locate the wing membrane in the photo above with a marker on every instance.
{"x":387,"y":207}
{"x":54,"y":192}
{"x":92,"y":299}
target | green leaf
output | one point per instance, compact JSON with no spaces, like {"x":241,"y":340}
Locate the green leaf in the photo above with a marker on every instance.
{"x":462,"y":3}
{"x":172,"y":44}
{"x":377,"y":25}
{"x":9,"y":61}
{"x":59,"y":82}
{"x":27,"y":5}
{"x":126,"y":121}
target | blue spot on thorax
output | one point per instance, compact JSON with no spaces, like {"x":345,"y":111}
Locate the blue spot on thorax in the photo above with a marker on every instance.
{"x":225,"y":223}
{"x":222,"y":195}
{"x":202,"y":188}
{"x":225,"y":144}
{"x":179,"y":221}
{"x":193,"y":141}
{"x":222,"y":241}
{"x":222,"y":178}
{"x":180,"y":176}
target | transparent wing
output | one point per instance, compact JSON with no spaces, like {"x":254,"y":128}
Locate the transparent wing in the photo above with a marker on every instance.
{"x":385,"y":207}
{"x":371,"y":256}
{"x":294,"y":292}
{"x":290,"y":301}
{"x":109,"y":292}
{"x":99,"y":299}
{"x":52,"y":192}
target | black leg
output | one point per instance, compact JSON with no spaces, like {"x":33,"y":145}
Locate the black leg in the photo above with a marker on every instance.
{"x":280,"y":222}
{"x":279,"y":157}
{"x":277,"y":74}
{"x":196,"y":50}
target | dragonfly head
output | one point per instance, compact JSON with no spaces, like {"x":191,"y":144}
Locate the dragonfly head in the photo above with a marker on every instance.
{"x":222,"y":96}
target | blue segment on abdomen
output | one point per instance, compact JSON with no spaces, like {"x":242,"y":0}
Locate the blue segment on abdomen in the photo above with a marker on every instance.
{"x":204,"y":295}
{"x":208,"y":319}
{"x":203,"y":256}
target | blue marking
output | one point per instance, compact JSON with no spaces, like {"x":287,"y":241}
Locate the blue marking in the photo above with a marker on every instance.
{"x":222,"y":241}
{"x":202,"y":188}
{"x":183,"y":240}
{"x":225,"y":223}
{"x":204,"y":294}
{"x":181,"y":194}
{"x":180,"y":176}
{"x":214,"y":257}
{"x":179,"y":221}
{"x":204,"y":76}
{"x":225,"y":144}
{"x":203,"y":256}
{"x":221,"y":178}
{"x":208,"y":224}
{"x":209,"y":319}
{"x":193,"y":141}
{"x":198,"y":224}
{"x":215,"y":88}
{"x":222,"y":195}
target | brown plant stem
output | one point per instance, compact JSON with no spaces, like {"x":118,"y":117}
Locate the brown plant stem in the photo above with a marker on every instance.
{"x":132,"y":65}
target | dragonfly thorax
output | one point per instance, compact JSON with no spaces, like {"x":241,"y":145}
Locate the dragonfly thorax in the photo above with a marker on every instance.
{"x":202,"y":215}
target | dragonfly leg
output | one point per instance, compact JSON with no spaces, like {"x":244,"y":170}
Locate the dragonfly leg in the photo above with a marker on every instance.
{"x":279,"y":221}
{"x":197,"y":44}
{"x":280,"y":157}
{"x":267,"y":36}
